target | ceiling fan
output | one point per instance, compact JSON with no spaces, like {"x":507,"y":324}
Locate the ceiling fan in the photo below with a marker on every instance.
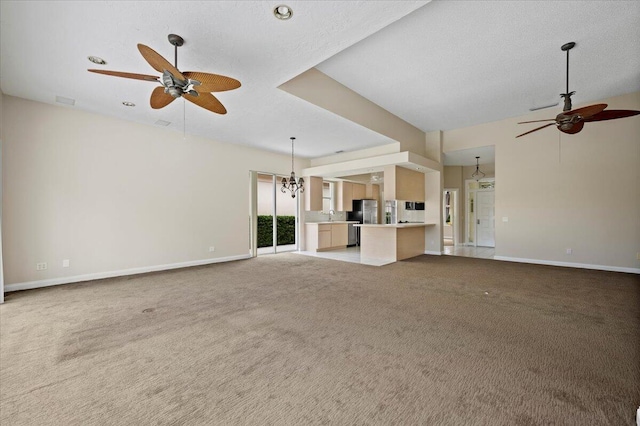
{"x":193,"y":86}
{"x":572,"y":121}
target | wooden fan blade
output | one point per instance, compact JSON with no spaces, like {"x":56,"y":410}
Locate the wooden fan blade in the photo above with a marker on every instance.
{"x":127,"y":75}
{"x":574,"y":129}
{"x":531,"y":131}
{"x":207,"y":101}
{"x":612,"y":114}
{"x":212,"y":82}
{"x":159,"y":99}
{"x":158,"y":62}
{"x":537,"y":121}
{"x":587,"y":111}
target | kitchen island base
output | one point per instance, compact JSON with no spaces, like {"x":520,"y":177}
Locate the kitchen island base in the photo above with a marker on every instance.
{"x":392,"y":242}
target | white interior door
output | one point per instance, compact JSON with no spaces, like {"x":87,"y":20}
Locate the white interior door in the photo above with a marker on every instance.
{"x":486,"y":219}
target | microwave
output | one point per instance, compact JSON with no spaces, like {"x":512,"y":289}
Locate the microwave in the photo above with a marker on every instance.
{"x":413,"y":205}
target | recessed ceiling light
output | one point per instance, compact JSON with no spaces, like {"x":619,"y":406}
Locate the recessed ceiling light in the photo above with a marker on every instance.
{"x":97,"y":60}
{"x":162,"y":123}
{"x":129,"y":104}
{"x":66,"y":101}
{"x":283,"y":12}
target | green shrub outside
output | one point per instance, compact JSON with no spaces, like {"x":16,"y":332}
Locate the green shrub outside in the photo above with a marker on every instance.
{"x":286,"y":230}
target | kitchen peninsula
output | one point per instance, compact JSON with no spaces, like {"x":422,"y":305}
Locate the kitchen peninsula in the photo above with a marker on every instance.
{"x":392,"y":242}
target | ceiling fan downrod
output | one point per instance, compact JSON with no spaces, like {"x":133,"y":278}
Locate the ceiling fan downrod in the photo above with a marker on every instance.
{"x":177,"y":41}
{"x":567,"y":95}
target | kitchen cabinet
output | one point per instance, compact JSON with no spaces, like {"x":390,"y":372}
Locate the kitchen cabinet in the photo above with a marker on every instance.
{"x":326,"y":236}
{"x":372,"y":192}
{"x":401,"y":183}
{"x":359,"y":191}
{"x":313,"y":193}
{"x":339,"y":234}
{"x":344,"y":202}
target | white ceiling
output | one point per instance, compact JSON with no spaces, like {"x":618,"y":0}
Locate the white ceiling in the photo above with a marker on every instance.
{"x":453,"y":64}
{"x":467,"y":157}
{"x":437,"y":65}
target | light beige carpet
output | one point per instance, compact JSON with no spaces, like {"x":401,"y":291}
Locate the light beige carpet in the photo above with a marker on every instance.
{"x":291,"y":339}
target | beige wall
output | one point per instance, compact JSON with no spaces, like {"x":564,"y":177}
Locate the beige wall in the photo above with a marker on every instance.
{"x":563,"y":191}
{"x":112,"y":195}
{"x":323,"y":91}
{"x":453,"y":177}
{"x":433,"y":212}
{"x":433,"y":145}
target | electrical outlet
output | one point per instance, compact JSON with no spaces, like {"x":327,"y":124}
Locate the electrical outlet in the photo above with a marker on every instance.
{"x":569,"y":251}
{"x":212,"y":248}
{"x":41,"y":266}
{"x":65,"y":263}
{"x":505,"y":219}
{"x":638,"y":255}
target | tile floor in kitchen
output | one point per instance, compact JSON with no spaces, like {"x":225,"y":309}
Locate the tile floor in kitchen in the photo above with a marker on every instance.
{"x":352,"y":254}
{"x":349,"y":254}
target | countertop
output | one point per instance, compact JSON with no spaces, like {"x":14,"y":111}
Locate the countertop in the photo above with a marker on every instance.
{"x":394,"y":225}
{"x":329,"y":223}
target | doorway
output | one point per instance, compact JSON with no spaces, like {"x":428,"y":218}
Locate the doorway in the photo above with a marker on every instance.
{"x":450,"y":217}
{"x":485,"y":229}
{"x":480,"y":213}
{"x":274,"y":229}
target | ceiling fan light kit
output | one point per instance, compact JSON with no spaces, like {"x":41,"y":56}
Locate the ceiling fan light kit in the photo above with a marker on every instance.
{"x":572,"y":121}
{"x":194,"y":86}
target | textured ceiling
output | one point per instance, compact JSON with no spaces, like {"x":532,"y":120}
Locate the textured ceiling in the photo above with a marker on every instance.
{"x":44,"y":47}
{"x":437,"y":65}
{"x":453,"y":64}
{"x":467,"y":157}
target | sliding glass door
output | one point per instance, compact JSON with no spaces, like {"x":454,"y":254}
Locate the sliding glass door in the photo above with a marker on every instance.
{"x":276,"y":215}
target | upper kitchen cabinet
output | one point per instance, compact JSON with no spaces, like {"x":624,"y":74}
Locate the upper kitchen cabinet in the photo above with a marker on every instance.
{"x":344,"y":196}
{"x":372,"y":191}
{"x":359,"y":191}
{"x":401,"y":183}
{"x":313,"y":193}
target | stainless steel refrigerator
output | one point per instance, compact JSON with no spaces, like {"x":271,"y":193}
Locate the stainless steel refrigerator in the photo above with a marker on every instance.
{"x":364,"y":211}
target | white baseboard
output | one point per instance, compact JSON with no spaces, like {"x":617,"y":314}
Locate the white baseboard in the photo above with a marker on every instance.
{"x":436,"y":253}
{"x":570,"y":264}
{"x":110,"y":274}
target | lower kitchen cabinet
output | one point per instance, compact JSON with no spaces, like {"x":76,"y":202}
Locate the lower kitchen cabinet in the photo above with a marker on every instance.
{"x":339,"y":235}
{"x":325,"y":236}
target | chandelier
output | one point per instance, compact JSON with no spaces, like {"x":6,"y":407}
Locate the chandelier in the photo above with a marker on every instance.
{"x":477,"y":175}
{"x":291,"y":185}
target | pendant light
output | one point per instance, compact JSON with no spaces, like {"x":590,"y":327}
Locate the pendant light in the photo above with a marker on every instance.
{"x":291,"y":185}
{"x":477,"y":175}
